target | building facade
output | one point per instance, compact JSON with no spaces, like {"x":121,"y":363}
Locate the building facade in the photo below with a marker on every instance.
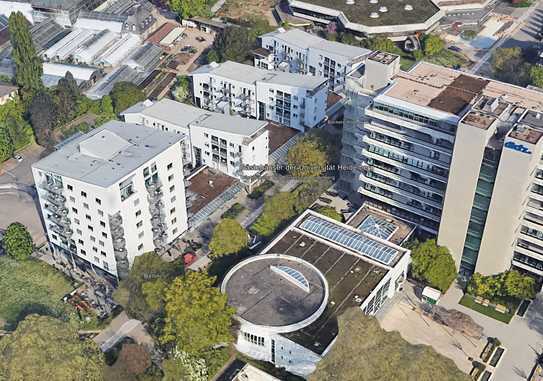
{"x":301,"y":52}
{"x":232,"y":145}
{"x":457,"y":154}
{"x":113,"y":194}
{"x":294,"y":100}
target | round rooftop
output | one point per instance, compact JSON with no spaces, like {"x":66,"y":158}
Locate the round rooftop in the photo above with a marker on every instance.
{"x":275,"y":291}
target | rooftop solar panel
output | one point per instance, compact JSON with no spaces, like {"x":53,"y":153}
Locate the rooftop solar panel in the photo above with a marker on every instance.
{"x":378,"y":227}
{"x":349,"y":239}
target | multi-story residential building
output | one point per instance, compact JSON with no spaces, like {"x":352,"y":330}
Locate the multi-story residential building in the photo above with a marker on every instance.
{"x":235,"y":146}
{"x":113,"y":194}
{"x":294,"y":100}
{"x":459,"y":155}
{"x":297,"y":51}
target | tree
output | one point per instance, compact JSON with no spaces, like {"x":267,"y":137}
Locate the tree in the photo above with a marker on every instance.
{"x":233,"y":44}
{"x":432,"y":44}
{"x":28,"y":65}
{"x":433,"y":264}
{"x":229,"y":237}
{"x":124,"y":95}
{"x":536,"y":76}
{"x":17,"y":241}
{"x":67,"y":94}
{"x":43,"y":347}
{"x":518,"y":285}
{"x":6,"y":145}
{"x":213,"y":56}
{"x":43,"y":117}
{"x":507,"y":284}
{"x":106,"y":106}
{"x":189,"y":8}
{"x":277,"y":209}
{"x":509,"y":65}
{"x":383,"y":44}
{"x":183,"y":366}
{"x":197,"y":314}
{"x":12,"y":120}
{"x":329,"y":211}
{"x":141,"y":293}
{"x":134,"y":358}
{"x":306,"y":158}
{"x":181,"y":91}
{"x":385,"y":355}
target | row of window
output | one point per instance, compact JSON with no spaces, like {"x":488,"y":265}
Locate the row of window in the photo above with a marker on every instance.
{"x":257,"y":340}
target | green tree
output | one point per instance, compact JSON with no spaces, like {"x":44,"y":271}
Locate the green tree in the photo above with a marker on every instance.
{"x":385,"y":355}
{"x":418,"y":55}
{"x":181,"y":91}
{"x":28,"y":65}
{"x":141,"y":293}
{"x":197,"y":314}
{"x":383,"y":44}
{"x":6,"y":145}
{"x":43,"y":117}
{"x":233,"y":44}
{"x":432,"y":44}
{"x":536,"y":76}
{"x":306,"y":158}
{"x":106,"y":106}
{"x":43,"y":347}
{"x":518,"y":285}
{"x":509,"y":65}
{"x":229,"y":237}
{"x":124,"y":95}
{"x":17,"y":241}
{"x":329,"y":211}
{"x":67,"y":94}
{"x":183,"y":366}
{"x":213,"y":56}
{"x":277,"y":209}
{"x":12,"y":120}
{"x":190,"y":8}
{"x":433,"y":264}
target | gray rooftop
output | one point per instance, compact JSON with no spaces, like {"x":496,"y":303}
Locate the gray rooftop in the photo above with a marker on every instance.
{"x":303,"y":39}
{"x":264,"y":297}
{"x":184,"y":115}
{"x":250,"y":74}
{"x":107,"y":154}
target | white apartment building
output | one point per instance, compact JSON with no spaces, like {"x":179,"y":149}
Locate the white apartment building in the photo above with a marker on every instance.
{"x":294,"y":100}
{"x":457,"y":154}
{"x":297,"y":51}
{"x":113,"y":194}
{"x":235,"y":146}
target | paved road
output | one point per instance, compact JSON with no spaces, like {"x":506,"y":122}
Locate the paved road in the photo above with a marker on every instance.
{"x":12,"y":171}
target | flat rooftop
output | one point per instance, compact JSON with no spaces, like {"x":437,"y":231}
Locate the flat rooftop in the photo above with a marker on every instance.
{"x":478,"y":119}
{"x":526,"y":134}
{"x":205,"y":186}
{"x":450,"y":91}
{"x":381,"y":224}
{"x":274,"y":291}
{"x":278,"y":135}
{"x":383,"y":57}
{"x":108,"y":153}
{"x":250,"y":74}
{"x":360,"y":12}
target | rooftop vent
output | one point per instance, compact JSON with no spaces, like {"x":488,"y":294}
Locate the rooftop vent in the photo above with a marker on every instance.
{"x":374,"y":1}
{"x":374,"y":15}
{"x":349,"y":2}
{"x":408,"y":7}
{"x":383,"y":9}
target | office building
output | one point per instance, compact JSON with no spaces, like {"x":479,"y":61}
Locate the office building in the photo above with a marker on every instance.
{"x":234,"y":146}
{"x":296,"y":51}
{"x":294,"y":100}
{"x":113,"y":194}
{"x":458,"y":154}
{"x":288,"y":298}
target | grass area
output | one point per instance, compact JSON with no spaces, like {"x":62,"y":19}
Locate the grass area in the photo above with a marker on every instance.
{"x":407,"y":62}
{"x":469,"y":302}
{"x":82,"y":127}
{"x":30,"y":287}
{"x":233,"y":211}
{"x":448,"y":58}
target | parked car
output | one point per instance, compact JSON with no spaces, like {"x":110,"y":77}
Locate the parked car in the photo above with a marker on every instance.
{"x":188,"y":49}
{"x":19,"y":158}
{"x":200,"y":39}
{"x":254,"y":242}
{"x":454,"y":48}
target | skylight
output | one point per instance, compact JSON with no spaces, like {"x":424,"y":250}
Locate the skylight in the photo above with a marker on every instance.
{"x":293,"y":276}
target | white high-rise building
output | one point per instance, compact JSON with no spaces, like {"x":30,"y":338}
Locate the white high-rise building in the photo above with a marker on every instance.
{"x":294,"y":100}
{"x":459,"y":155}
{"x":297,"y":51}
{"x":113,"y":194}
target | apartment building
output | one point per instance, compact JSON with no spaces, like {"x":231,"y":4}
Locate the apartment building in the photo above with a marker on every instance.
{"x":235,"y":146}
{"x":113,"y":194}
{"x":294,"y":100}
{"x":296,"y":51}
{"x":457,"y":154}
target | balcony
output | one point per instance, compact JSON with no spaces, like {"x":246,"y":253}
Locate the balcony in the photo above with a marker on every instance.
{"x":52,"y":187}
{"x":60,"y":209}
{"x":119,"y":244}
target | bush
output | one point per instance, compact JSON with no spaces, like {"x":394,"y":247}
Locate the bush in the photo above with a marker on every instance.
{"x":507,"y":284}
{"x":233,"y":211}
{"x":260,"y":189}
{"x":329,"y":211}
{"x":229,"y":237}
{"x":433,"y":264}
{"x":17,"y":241}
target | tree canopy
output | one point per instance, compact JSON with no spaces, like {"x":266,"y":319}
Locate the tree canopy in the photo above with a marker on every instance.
{"x":329,"y":211}
{"x":385,"y":355}
{"x":277,"y":209}
{"x":509,"y":65}
{"x":229,"y":237}
{"x":536,"y":76}
{"x":507,"y":284}
{"x":45,"y":348}
{"x":181,"y":92}
{"x":28,"y":65}
{"x":141,"y":293}
{"x":67,"y":94}
{"x":197,"y":314}
{"x":131,"y":364}
{"x":17,"y":241}
{"x":433,"y":264}
{"x":383,"y":44}
{"x":307,"y":158}
{"x":190,"y":8}
{"x":432,"y":44}
{"x":124,"y":95}
{"x":43,"y":117}
{"x":15,"y":131}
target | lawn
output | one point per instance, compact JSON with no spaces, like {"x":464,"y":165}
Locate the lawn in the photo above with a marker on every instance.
{"x":448,"y":58}
{"x":468,"y":301}
{"x":30,"y":286}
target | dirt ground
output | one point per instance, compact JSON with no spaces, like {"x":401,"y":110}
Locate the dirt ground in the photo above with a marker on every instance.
{"x":242,"y":9}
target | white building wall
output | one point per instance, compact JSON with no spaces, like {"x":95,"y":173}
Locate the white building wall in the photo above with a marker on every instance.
{"x":9,"y":7}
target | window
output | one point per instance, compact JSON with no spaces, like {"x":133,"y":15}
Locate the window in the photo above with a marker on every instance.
{"x":140,"y":235}
{"x":96,"y":259}
{"x":87,"y":217}
{"x":83,"y":194}
{"x":79,"y":232}
{"x":174,"y":231}
{"x":83,"y":252}
{"x":172,"y":210}
{"x":101,"y":243}
{"x":54,"y":236}
{"x":138,"y":213}
{"x":172,"y":200}
{"x":169,"y":166}
{"x":80,"y":241}
{"x":85,"y":205}
{"x":90,"y":228}
{"x":103,"y":253}
{"x":206,"y":135}
{"x":102,"y":224}
{"x":70,"y":188}
{"x":104,"y":235}
{"x":139,"y":224}
{"x":172,"y":188}
{"x":136,"y":202}
{"x":170,"y":178}
{"x":76,"y":221}
{"x":92,"y":238}
{"x":72,"y":198}
{"x":98,"y":201}
{"x":153,"y":168}
{"x":100,"y":213}
{"x":253,"y":339}
{"x":94,"y":249}
{"x":174,"y":220}
{"x":106,"y":265}
{"x":74,"y":210}
{"x":140,"y":247}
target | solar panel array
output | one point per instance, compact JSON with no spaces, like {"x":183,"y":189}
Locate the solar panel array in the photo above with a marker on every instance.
{"x":378,"y":227}
{"x":349,"y":239}
{"x":293,"y":275}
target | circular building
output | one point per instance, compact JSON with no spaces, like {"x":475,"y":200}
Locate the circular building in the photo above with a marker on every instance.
{"x":275,"y":293}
